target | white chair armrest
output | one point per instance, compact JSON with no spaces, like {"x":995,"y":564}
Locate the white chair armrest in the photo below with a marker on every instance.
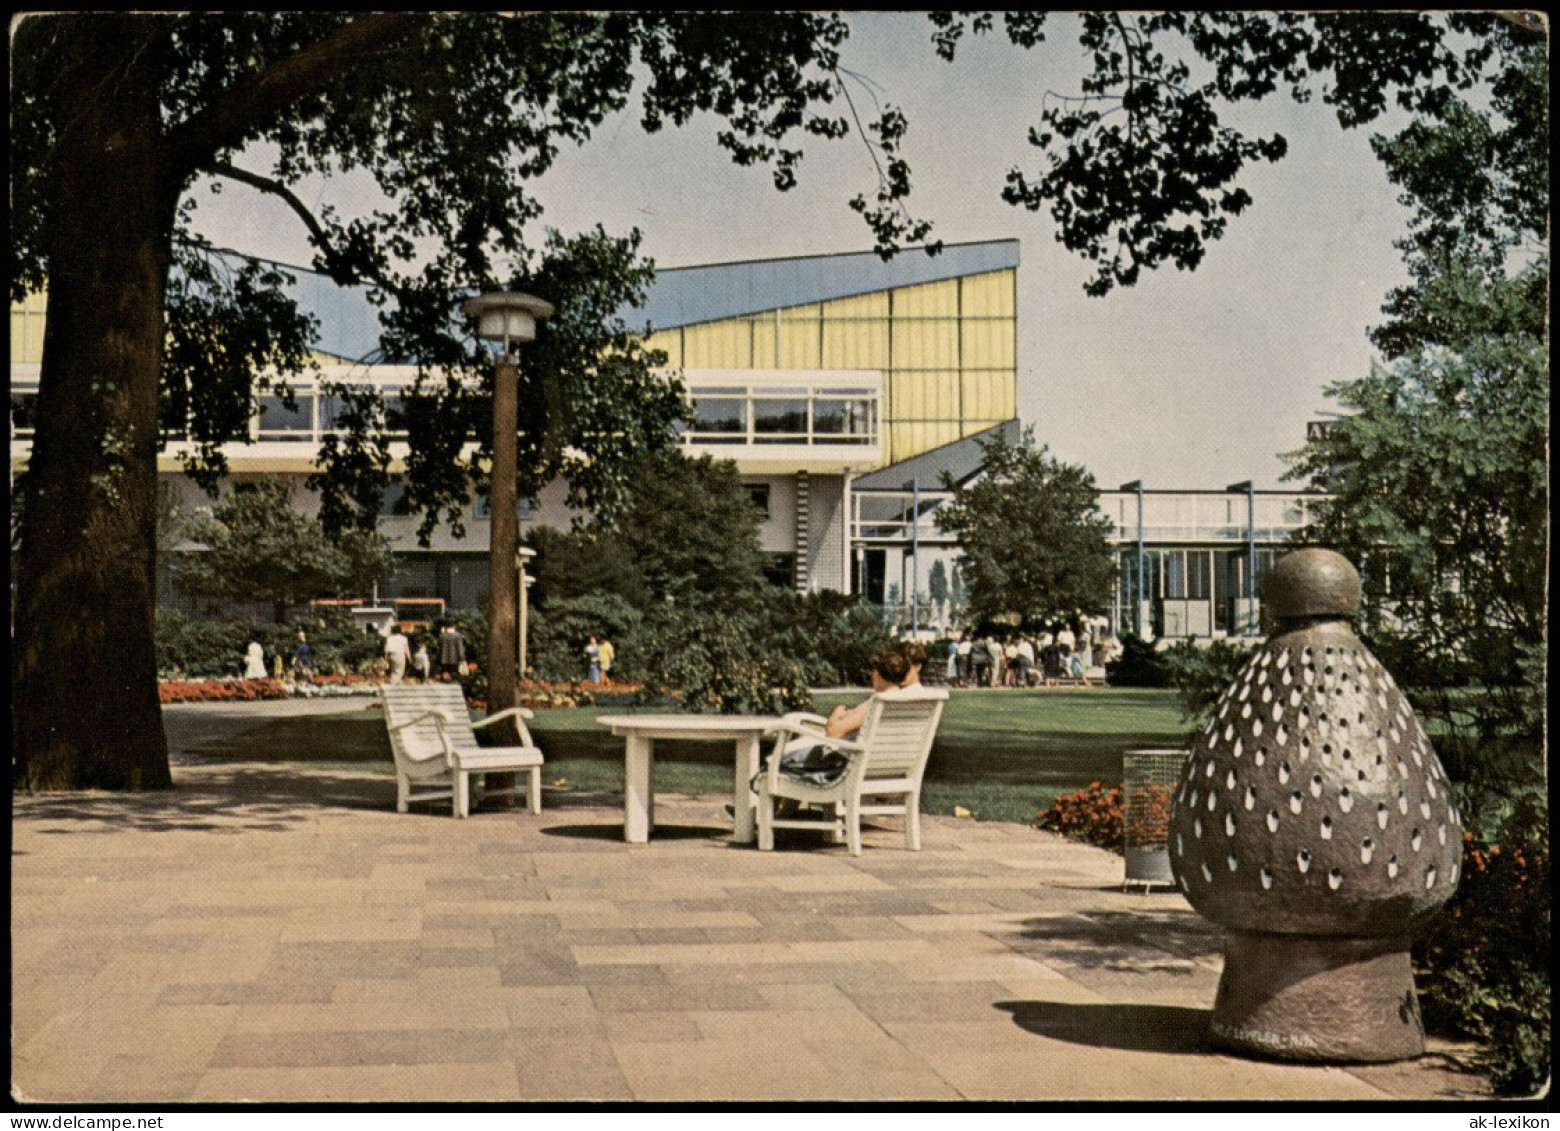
{"x":439,"y":720}
{"x":437,"y":716}
{"x":522,"y":712}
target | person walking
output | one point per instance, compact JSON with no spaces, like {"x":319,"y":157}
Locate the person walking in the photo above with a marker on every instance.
{"x":1026,"y":660}
{"x":452,"y":651}
{"x":605,"y":656}
{"x":303,"y":658}
{"x":254,"y":661}
{"x":398,"y":650}
{"x":593,"y":659}
{"x":421,"y":661}
{"x":980,"y":664}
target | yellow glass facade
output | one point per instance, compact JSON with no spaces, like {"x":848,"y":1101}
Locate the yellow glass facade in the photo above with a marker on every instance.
{"x":948,"y":352}
{"x":27,"y":319}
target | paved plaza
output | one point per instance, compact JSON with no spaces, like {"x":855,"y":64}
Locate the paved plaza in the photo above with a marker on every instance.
{"x":272,"y":933}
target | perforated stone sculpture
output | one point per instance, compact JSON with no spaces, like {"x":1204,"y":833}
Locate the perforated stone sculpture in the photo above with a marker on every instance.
{"x":1314,"y":822}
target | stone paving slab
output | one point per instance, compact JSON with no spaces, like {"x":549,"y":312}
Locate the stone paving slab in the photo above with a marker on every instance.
{"x":267,"y":933}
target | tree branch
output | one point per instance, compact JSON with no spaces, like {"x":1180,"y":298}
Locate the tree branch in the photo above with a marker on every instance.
{"x":276,"y":188}
{"x":254,"y":103}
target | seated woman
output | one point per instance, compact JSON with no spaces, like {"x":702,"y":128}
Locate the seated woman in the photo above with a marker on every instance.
{"x":808,"y":760}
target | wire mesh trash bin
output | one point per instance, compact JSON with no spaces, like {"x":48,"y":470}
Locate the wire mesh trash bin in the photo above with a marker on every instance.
{"x":1148,"y":779}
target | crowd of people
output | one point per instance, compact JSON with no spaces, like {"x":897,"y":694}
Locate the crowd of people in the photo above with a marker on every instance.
{"x":1058,"y":653}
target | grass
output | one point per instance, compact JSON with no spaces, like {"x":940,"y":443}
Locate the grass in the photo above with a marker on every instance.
{"x":1001,"y":754}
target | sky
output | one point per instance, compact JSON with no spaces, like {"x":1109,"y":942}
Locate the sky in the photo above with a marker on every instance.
{"x":1188,"y":380}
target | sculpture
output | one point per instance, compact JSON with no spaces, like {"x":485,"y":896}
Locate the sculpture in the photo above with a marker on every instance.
{"x":1313,"y":821}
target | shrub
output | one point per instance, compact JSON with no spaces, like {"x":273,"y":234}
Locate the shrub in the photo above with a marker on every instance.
{"x":1138,"y":665}
{"x":1200,"y":673}
{"x":558,"y":634}
{"x":830,"y":636}
{"x":712,"y":660}
{"x":1484,"y":967}
{"x":1094,"y":815}
{"x":210,"y":648}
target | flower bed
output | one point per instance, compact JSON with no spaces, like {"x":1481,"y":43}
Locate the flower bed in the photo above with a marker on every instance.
{"x":1095,"y":815}
{"x":533,"y":694}
{"x":220,"y":690}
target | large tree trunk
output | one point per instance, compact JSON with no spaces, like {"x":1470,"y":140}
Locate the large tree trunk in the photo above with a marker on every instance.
{"x":84,"y":671}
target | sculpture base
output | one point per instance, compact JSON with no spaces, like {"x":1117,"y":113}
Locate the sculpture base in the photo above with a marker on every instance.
{"x":1297,"y":997}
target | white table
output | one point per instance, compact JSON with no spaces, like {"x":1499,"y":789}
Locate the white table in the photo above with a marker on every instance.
{"x":641,"y":733}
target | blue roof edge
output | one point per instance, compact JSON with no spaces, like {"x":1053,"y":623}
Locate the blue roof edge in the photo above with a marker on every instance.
{"x":686,"y":296}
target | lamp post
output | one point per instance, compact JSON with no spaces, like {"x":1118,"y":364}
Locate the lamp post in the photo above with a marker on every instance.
{"x":1250,"y":488}
{"x":504,"y":317}
{"x":1137,"y":613}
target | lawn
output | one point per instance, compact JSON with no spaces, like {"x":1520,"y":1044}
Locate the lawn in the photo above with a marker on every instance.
{"x":1001,"y":754}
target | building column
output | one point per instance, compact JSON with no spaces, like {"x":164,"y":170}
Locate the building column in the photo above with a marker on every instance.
{"x":802,"y":573}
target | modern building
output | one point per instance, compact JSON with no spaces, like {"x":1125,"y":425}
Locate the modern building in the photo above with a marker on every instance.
{"x":843,"y":387}
{"x":806,"y":372}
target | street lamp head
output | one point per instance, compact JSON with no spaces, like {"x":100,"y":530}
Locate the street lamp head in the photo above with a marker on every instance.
{"x":506,"y":316}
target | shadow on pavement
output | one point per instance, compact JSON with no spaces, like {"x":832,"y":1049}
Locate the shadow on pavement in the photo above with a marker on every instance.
{"x":244,"y":799}
{"x":1133,"y":1028}
{"x":1167,"y":940}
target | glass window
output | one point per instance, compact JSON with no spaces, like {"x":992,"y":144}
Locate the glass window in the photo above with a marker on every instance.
{"x":278,"y":422}
{"x":395,"y":401}
{"x":719,"y":418}
{"x":844,"y":418}
{"x":759,"y":493}
{"x":393,"y":503}
{"x":480,"y":508}
{"x":780,"y":569}
{"x":781,"y":420}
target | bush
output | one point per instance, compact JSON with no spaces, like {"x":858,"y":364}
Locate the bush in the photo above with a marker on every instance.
{"x":558,"y":634}
{"x":1094,"y":815}
{"x":711,"y":660}
{"x":1200,"y":673}
{"x":1138,"y":665}
{"x":208,"y":648}
{"x":1484,"y":967}
{"x":830,"y":636}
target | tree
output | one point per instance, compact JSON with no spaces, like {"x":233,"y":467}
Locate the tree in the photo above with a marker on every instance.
{"x":1034,"y":541}
{"x":937,"y":583}
{"x":259,"y":548}
{"x":116,"y":119}
{"x":1438,"y":471}
{"x":692,"y":529}
{"x":1140,"y":170}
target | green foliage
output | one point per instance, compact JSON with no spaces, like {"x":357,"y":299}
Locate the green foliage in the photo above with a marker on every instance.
{"x":937,"y":582}
{"x":558,"y":634}
{"x":1034,"y":542}
{"x":1141,"y":171}
{"x":1484,"y":967}
{"x":212,"y":648}
{"x":1200,"y":673}
{"x":1439,"y":492}
{"x":830,"y":636}
{"x":692,"y":530}
{"x":259,"y":548}
{"x":1095,"y":814}
{"x":1138,"y":664}
{"x":712,"y":660}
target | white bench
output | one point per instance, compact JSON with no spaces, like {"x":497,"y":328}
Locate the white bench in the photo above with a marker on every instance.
{"x":435,"y":746}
